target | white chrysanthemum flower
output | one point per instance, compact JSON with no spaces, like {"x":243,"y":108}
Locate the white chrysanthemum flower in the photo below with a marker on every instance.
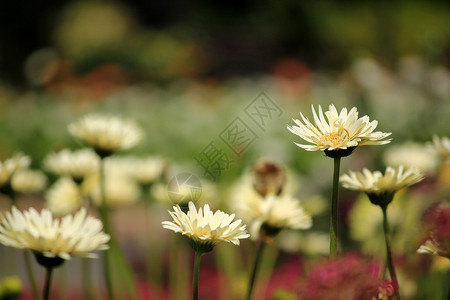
{"x":393,"y":180}
{"x":145,"y":170}
{"x":11,"y":165}
{"x":64,"y":197}
{"x":28,"y":181}
{"x":442,"y":147}
{"x":340,"y":131}
{"x":77,"y":235}
{"x":276,"y":212}
{"x":205,"y":227}
{"x":77,"y":164}
{"x":106,"y":134}
{"x":119,"y":189}
{"x":410,"y":154}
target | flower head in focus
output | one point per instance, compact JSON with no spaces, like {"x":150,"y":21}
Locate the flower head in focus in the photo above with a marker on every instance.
{"x":381,"y":187}
{"x":77,"y":235}
{"x":76,"y":164}
{"x":339,"y":134}
{"x":26,"y":181}
{"x":106,"y":134}
{"x":64,"y":197}
{"x":204,"y":228}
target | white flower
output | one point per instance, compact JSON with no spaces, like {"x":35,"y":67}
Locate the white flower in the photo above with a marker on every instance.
{"x":11,"y":165}
{"x":106,"y":133}
{"x":77,"y":164}
{"x":119,"y":189}
{"x":442,"y":147}
{"x":28,"y":181}
{"x":393,"y":180}
{"x":430,"y":247}
{"x":76,"y":235}
{"x":144,"y":170}
{"x":276,"y":212}
{"x":410,"y":154}
{"x":206,"y":227}
{"x":339,"y":131}
{"x":64,"y":197}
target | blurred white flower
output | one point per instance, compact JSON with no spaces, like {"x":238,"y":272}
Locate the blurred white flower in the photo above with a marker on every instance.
{"x":119,"y":189}
{"x":77,"y":235}
{"x":28,"y":181}
{"x":106,"y":134}
{"x":393,"y":180}
{"x":410,"y":154}
{"x":340,"y":131}
{"x":64,"y":197}
{"x":11,"y":165}
{"x":442,"y":147}
{"x":145,"y":170}
{"x":205,"y":227}
{"x":76,"y":164}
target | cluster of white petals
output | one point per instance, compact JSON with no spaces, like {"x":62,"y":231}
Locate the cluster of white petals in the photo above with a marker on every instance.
{"x":77,"y":235}
{"x":145,"y":170}
{"x":106,"y":133}
{"x":76,"y":164}
{"x":11,"y":165}
{"x":338,"y":131}
{"x":28,"y":181}
{"x":277,"y":212}
{"x":205,"y":226}
{"x":119,"y":189}
{"x":64,"y":197}
{"x":393,"y":180}
{"x":442,"y":147}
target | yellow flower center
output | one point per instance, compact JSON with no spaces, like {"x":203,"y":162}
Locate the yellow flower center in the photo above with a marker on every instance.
{"x":332,"y":138}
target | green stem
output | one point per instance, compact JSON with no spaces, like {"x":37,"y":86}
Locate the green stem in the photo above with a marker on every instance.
{"x":30,"y":274}
{"x":390,"y":263}
{"x":198,"y":255}
{"x":105,"y":218}
{"x":334,"y":207}
{"x":255,"y":266}
{"x":124,"y":268}
{"x":46,"y":293}
{"x":87,"y":278}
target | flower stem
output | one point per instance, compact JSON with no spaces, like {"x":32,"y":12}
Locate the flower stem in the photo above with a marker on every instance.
{"x":29,"y":268}
{"x":87,"y":278}
{"x":198,"y":255}
{"x":105,"y":219}
{"x":48,"y":279}
{"x":390,"y":263}
{"x":334,"y":207}
{"x":255,"y":266}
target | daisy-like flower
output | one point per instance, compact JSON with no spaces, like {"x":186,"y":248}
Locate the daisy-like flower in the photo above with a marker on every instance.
{"x":106,"y":134}
{"x":119,"y":189}
{"x":77,"y":164}
{"x":274,"y":213}
{"x":442,"y":147}
{"x":381,"y":188}
{"x":77,"y":235}
{"x":204,"y":228}
{"x":28,"y":181}
{"x":411,"y":154}
{"x":339,"y":134}
{"x":10,"y":166}
{"x":145,"y":170}
{"x":64,"y":197}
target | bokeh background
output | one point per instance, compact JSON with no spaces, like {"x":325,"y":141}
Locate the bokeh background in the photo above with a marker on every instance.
{"x":184,"y":70}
